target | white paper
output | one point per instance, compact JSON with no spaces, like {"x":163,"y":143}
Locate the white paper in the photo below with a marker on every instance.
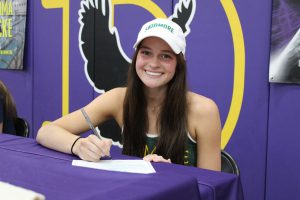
{"x":12,"y":192}
{"x":131,"y":166}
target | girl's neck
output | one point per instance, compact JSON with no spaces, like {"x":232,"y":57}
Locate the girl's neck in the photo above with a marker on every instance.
{"x":155,"y":97}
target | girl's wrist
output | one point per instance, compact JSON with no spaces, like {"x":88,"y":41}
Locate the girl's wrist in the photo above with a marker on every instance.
{"x":73,"y":145}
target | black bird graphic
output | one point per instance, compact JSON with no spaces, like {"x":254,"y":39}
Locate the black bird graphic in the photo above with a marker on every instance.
{"x":105,"y":62}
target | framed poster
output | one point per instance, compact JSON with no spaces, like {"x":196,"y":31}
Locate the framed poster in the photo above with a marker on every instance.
{"x":12,"y":33}
{"x":285,"y":42}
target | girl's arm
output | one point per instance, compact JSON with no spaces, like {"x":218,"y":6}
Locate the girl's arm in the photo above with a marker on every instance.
{"x":205,"y":120}
{"x":61,"y":133}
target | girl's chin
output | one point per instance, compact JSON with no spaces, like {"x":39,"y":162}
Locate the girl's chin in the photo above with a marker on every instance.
{"x":154,"y":85}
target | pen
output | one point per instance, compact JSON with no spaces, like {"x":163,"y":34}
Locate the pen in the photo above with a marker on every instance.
{"x":87,"y":119}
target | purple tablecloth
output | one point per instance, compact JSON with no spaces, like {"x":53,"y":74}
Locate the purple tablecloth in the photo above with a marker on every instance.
{"x":25,"y":163}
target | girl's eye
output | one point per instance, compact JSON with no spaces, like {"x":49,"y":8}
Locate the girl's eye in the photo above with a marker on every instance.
{"x":166,"y":56}
{"x":144,"y":52}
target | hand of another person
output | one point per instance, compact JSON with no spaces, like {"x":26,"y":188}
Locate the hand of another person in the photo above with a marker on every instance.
{"x":156,"y":158}
{"x":92,"y":148}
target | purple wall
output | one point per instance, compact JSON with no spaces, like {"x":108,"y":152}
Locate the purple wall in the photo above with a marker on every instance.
{"x":265,"y":139}
{"x":283,"y":177}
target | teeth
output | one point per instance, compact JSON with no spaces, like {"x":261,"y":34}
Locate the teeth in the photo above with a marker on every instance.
{"x":153,"y":73}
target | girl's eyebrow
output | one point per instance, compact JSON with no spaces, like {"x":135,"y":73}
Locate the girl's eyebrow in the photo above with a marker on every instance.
{"x":164,"y":51}
{"x":144,"y":47}
{"x":168,"y":51}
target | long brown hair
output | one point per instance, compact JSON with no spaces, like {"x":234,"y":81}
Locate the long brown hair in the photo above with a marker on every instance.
{"x":9,"y":104}
{"x":172,"y":120}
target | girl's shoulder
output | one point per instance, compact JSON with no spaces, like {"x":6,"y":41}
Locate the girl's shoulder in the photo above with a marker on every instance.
{"x":203,"y":115}
{"x":118,"y":90}
{"x":111,"y":99}
{"x":199,"y":105}
{"x":115,"y":93}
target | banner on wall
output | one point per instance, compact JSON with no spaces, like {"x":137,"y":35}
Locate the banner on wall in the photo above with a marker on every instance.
{"x":12,"y":33}
{"x":285,"y":42}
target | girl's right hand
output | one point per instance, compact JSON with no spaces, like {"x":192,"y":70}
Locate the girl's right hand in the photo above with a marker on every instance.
{"x":92,"y":148}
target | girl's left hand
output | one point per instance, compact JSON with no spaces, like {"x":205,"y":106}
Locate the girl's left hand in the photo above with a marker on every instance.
{"x":156,"y":158}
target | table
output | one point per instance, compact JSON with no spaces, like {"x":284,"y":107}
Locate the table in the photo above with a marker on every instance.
{"x":25,"y":163}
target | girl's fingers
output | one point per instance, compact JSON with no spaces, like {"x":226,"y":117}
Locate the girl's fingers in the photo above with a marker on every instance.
{"x":92,"y":148}
{"x":156,"y":158}
{"x":102,"y":146}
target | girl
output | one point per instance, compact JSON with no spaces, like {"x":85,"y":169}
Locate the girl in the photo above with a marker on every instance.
{"x":8,"y":111}
{"x":160,"y":120}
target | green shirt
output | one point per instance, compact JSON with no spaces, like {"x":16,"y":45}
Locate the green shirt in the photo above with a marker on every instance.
{"x":190,"y":155}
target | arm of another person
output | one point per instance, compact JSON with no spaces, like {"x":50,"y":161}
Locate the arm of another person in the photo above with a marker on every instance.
{"x":204,"y":119}
{"x":61,"y":133}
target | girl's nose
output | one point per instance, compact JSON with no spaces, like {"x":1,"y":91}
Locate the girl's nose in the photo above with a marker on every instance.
{"x":154,"y":63}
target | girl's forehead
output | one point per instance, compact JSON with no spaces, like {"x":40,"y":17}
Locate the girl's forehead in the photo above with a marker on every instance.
{"x":155,"y":42}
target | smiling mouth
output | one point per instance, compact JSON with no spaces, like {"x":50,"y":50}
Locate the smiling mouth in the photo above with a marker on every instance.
{"x":153,"y":73}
